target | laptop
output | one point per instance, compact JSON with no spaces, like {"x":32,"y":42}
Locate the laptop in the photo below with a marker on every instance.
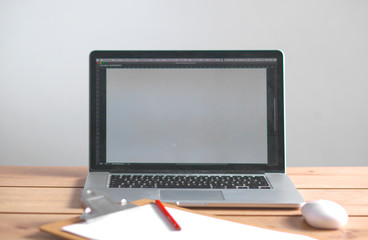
{"x":193,"y":128}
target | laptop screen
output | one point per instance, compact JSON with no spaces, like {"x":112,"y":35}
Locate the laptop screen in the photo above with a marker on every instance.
{"x":185,"y":109}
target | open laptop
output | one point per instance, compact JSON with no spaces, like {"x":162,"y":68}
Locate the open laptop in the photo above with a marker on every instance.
{"x":195,"y":128}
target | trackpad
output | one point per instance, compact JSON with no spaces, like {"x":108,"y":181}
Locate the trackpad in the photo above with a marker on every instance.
{"x":186,"y":195}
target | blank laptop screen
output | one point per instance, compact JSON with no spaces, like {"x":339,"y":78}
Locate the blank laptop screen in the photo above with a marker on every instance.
{"x":186,"y":115}
{"x":182,"y":111}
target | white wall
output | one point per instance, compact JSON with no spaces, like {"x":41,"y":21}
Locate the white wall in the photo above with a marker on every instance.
{"x":44,"y":47}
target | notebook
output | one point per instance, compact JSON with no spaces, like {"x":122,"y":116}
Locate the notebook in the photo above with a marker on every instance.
{"x":194,"y":128}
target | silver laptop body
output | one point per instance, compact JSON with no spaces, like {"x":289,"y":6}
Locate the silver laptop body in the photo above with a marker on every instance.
{"x":186,"y":116}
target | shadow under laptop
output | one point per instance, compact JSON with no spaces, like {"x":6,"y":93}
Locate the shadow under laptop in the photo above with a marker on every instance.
{"x":248,"y":211}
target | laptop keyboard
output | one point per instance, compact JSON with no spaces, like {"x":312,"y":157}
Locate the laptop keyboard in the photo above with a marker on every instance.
{"x":184,"y":181}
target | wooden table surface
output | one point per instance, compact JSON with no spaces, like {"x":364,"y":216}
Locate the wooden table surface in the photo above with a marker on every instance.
{"x":34,"y":196}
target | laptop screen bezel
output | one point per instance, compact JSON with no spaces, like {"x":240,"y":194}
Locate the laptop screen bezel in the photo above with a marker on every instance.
{"x":96,"y":164}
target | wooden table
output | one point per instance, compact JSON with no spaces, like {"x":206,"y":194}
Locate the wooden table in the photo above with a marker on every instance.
{"x":34,"y":196}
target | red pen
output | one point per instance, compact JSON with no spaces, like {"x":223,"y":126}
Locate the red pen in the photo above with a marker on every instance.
{"x":167,"y":215}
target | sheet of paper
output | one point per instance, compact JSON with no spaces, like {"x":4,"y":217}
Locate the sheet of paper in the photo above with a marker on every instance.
{"x":147,"y":222}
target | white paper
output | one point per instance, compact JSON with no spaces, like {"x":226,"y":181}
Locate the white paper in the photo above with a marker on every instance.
{"x":146,"y":222}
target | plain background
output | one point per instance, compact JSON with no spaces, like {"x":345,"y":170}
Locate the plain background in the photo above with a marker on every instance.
{"x":44,"y":47}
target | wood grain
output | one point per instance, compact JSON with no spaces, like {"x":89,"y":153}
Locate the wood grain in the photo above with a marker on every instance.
{"x":26,"y":176}
{"x":40,"y":200}
{"x":67,"y":200}
{"x":34,"y":196}
{"x":331,"y":171}
{"x":26,"y":226}
{"x":329,"y":177}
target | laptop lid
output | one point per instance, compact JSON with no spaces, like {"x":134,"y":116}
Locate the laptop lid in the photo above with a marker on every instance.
{"x":186,"y":111}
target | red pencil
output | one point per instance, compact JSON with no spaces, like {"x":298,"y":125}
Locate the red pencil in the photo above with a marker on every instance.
{"x":167,"y":215}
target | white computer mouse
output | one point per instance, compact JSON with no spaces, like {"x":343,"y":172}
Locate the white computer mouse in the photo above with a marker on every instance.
{"x":325,"y":214}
